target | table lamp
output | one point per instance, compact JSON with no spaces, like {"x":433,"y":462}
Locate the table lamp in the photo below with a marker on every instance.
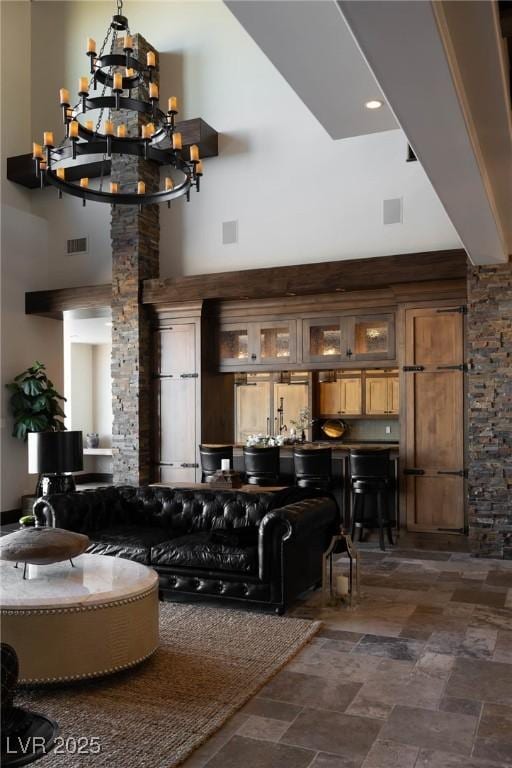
{"x":54,"y":456}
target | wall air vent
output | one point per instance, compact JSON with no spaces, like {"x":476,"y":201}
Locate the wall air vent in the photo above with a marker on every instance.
{"x":77,"y":245}
{"x":392,"y":211}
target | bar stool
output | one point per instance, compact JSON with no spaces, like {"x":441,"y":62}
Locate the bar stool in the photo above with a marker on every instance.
{"x":262,"y":465}
{"x":369,"y":479}
{"x":313,"y":467}
{"x":211,"y":458}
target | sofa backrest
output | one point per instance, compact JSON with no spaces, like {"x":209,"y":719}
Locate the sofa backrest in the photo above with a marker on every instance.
{"x":182,"y":511}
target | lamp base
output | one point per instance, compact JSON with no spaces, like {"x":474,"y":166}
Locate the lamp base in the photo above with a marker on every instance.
{"x":55,"y":483}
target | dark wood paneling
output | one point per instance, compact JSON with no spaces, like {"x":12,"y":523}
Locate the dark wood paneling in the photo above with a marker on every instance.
{"x":54,"y":303}
{"x":20,"y":168}
{"x":303,"y":279}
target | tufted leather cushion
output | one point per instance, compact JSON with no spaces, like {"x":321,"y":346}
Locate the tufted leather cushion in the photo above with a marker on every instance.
{"x":207,"y":551}
{"x":131,"y":542}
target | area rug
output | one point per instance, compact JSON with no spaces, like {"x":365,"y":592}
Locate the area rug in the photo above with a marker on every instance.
{"x":209,"y":663}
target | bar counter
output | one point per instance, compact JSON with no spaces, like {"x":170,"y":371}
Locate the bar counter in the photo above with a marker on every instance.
{"x":340,"y":469}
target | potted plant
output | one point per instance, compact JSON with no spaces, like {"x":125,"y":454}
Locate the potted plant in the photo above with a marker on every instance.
{"x":35,"y":404}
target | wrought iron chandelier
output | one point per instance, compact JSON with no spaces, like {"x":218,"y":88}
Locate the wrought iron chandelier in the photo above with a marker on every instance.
{"x":158,"y":141}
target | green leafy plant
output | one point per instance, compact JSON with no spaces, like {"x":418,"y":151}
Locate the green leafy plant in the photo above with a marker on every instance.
{"x":35,"y":403}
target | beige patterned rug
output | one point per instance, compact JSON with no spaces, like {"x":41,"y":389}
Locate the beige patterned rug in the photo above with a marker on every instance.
{"x":210,"y":662}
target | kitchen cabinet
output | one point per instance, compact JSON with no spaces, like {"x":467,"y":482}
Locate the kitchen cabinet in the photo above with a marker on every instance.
{"x":250,"y":344}
{"x":349,"y":339}
{"x":381,"y":394}
{"x":263,"y":404}
{"x":325,"y":340}
{"x":342,"y":397}
{"x":373,"y":337}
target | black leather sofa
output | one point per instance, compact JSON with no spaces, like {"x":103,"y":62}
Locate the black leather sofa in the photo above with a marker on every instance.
{"x":262,"y":548}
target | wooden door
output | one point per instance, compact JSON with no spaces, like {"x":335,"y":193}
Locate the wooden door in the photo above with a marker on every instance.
{"x":434,"y":451}
{"x":329,"y":398}
{"x":377,"y":395}
{"x":350,"y":396}
{"x":177,"y":383}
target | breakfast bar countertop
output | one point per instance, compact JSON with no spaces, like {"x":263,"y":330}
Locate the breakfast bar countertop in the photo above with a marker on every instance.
{"x":337,"y":446}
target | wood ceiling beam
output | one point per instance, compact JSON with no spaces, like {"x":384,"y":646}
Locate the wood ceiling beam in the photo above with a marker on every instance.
{"x":54,"y":303}
{"x":273,"y":282}
{"x":306,"y":279}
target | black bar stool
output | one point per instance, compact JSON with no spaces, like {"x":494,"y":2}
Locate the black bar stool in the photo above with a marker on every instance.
{"x":211,"y":458}
{"x":262,"y":465}
{"x":313,"y":468}
{"x":370,"y":479}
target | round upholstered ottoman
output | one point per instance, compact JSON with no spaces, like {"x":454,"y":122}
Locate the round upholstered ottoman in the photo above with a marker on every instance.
{"x":70,"y":623}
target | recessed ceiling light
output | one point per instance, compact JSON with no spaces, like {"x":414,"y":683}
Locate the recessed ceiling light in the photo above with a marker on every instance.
{"x":109,"y":325}
{"x":373,"y":104}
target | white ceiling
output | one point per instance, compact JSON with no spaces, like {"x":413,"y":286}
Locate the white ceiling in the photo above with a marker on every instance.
{"x":310,"y":44}
{"x":444,"y":75}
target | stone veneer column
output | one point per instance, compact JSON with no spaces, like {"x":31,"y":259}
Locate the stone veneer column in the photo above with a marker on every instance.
{"x":490,"y":410}
{"x":135,"y":243}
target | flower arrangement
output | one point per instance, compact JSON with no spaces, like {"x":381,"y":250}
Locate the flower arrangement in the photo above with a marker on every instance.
{"x":304,"y":421}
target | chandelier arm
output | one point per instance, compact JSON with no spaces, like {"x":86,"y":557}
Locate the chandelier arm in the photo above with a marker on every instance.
{"x":127,"y":146}
{"x":124,"y":198}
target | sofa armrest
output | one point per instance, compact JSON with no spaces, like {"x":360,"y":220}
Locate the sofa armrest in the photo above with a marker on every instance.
{"x":293,"y":522}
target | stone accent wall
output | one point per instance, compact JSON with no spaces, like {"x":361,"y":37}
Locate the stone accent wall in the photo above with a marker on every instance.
{"x":135,"y":234}
{"x":490,"y":410}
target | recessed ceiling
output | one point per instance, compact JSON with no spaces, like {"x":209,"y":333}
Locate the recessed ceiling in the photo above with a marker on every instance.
{"x":310,"y":44}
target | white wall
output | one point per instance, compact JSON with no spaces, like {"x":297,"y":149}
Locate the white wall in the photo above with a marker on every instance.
{"x":102,"y":392}
{"x":24,"y":252}
{"x":81,"y":397}
{"x":298,"y":195}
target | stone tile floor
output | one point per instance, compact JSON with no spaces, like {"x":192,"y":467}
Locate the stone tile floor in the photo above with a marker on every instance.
{"x":418,"y":675}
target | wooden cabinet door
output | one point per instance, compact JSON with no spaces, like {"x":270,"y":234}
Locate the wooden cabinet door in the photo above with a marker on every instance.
{"x":329,"y":398}
{"x":295,"y":398}
{"x":373,"y":337}
{"x":350,"y":396}
{"x":236,"y":344}
{"x":376,"y":395}
{"x":177,"y":352}
{"x":434,"y":451}
{"x":252,"y":410}
{"x":394,"y":395}
{"x":276,"y":342}
{"x":325,"y":340}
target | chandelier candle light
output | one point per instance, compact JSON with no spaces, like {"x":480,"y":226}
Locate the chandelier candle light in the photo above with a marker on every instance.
{"x":158,"y":142}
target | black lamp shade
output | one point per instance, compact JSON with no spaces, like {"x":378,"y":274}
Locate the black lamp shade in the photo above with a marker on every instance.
{"x":55,"y":452}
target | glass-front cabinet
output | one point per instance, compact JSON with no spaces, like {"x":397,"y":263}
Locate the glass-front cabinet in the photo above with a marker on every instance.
{"x":234,"y":344}
{"x":374,"y":337}
{"x":325,"y":340}
{"x":258,"y":343}
{"x":276,"y":342}
{"x":349,"y":338}
{"x":318,"y":341}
